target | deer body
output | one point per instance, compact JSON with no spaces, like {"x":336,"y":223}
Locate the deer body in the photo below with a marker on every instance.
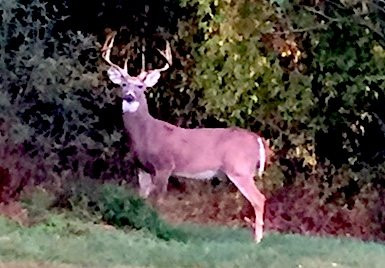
{"x":161,"y":146}
{"x":165,"y":150}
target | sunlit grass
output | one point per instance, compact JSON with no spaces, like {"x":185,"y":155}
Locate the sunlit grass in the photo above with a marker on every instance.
{"x":62,"y":240}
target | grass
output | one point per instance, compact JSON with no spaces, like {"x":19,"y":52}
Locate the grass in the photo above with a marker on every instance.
{"x":61,"y":241}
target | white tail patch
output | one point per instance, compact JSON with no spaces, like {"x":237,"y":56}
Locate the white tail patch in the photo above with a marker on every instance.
{"x":262,"y":157}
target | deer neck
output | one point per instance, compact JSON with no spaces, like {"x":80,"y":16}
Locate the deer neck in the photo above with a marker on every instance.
{"x":139,"y":124}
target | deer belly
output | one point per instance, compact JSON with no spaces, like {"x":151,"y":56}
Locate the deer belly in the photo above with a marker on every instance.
{"x":203,"y":175}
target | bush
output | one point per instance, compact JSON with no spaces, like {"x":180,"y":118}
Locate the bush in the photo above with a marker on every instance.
{"x":348,"y":204}
{"x":37,"y":201}
{"x":58,"y":119}
{"x":124,"y":208}
{"x":116,"y":205}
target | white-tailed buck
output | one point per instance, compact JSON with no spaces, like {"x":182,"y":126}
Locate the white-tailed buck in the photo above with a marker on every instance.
{"x":165,"y":150}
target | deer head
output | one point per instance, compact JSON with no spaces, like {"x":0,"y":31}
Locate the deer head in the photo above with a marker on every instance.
{"x":133,"y":87}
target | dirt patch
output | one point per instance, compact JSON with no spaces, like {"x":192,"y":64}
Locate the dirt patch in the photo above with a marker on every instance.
{"x":15,"y":212}
{"x":292,"y":209}
{"x":200,"y":202}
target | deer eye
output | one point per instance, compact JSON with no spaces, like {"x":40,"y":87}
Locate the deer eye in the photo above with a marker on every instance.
{"x":124,"y":84}
{"x":140,"y":87}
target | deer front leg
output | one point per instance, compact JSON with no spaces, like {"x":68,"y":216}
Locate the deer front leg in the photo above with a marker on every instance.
{"x":160,"y":181}
{"x":146,"y":186}
{"x":155,"y":186}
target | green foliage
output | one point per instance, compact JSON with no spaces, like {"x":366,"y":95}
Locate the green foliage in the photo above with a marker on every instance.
{"x":245,"y":85}
{"x":121,"y":207}
{"x":53,"y":101}
{"x":116,"y":205}
{"x":347,"y":77}
{"x":315,"y":86}
{"x":37,"y":201}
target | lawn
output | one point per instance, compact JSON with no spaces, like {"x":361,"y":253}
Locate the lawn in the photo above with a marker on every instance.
{"x":62,"y":241}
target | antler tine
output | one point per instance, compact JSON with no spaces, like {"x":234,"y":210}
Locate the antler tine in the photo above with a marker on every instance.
{"x":143,"y":59}
{"x":106,"y":49}
{"x":167,"y":55}
{"x":125,"y":64}
{"x":125,"y":67}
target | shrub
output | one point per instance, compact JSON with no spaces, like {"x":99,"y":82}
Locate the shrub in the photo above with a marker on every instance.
{"x":116,"y":205}
{"x":37,"y":201}
{"x":58,"y":119}
{"x":348,"y":205}
{"x":123,"y":208}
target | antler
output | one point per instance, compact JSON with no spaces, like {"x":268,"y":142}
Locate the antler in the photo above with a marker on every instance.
{"x":167,"y":55}
{"x":106,"y":49}
{"x":106,"y":52}
{"x":156,"y":72}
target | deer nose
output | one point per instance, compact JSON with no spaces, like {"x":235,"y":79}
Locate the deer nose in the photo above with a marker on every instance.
{"x":129,"y":98}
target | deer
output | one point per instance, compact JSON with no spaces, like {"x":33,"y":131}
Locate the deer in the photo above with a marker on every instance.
{"x":163,"y":150}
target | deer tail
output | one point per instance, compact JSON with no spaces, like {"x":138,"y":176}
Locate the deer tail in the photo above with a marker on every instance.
{"x":262,"y":156}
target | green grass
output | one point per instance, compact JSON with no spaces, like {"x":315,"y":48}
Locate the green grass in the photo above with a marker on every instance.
{"x":63,"y":240}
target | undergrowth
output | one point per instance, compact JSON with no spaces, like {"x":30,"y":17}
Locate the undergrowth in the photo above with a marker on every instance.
{"x":89,"y":200}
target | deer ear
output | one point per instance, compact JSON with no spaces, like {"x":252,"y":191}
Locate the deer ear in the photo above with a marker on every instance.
{"x":151,"y":78}
{"x":115,"y":76}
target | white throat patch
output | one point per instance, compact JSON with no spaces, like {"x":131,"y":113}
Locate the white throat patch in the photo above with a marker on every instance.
{"x":130,"y":107}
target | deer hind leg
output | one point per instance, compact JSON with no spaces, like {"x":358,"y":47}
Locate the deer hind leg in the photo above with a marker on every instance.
{"x":247,"y":187}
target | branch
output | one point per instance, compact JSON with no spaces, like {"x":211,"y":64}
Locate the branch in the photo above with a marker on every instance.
{"x":371,"y":27}
{"x":301,"y":30}
{"x":356,"y":16}
{"x":378,"y":7}
{"x":315,"y":11}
